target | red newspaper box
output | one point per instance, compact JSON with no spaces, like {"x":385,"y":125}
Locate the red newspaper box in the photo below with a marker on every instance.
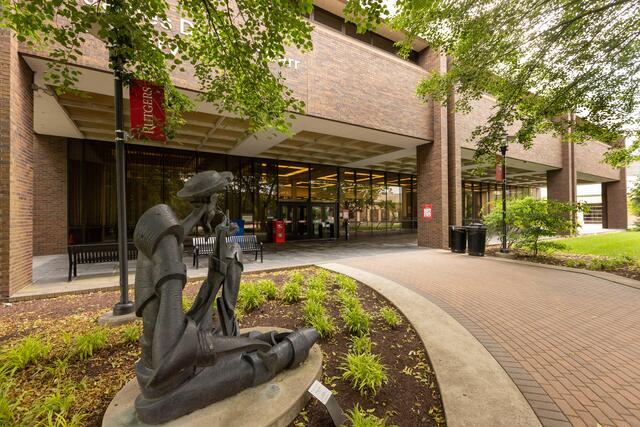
{"x":278,"y":231}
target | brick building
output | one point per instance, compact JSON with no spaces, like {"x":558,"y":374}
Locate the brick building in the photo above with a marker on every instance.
{"x":366,"y":150}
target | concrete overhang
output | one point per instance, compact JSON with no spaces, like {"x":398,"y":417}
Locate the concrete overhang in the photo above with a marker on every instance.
{"x":90,"y":115}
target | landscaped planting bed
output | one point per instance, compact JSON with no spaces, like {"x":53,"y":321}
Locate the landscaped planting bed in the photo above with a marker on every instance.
{"x":625,"y":266}
{"x":60,"y":368}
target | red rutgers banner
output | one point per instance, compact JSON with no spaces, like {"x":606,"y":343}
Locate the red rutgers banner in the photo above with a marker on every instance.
{"x":499,"y":169}
{"x":147,"y":110}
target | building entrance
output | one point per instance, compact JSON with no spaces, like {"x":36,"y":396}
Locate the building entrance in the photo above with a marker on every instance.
{"x":308,"y":221}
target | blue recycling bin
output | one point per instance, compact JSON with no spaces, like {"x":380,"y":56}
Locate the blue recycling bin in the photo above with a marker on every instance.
{"x":240,"y":224}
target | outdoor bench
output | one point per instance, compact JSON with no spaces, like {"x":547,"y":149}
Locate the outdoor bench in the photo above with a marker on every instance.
{"x":95,"y":253}
{"x":248,"y":243}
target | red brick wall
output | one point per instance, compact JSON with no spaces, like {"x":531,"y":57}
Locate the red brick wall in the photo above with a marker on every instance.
{"x":433,"y":170}
{"x":49,"y":195}
{"x":16,"y":168}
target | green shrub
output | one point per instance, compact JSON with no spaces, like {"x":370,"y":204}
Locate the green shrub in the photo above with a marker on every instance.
{"x":318,"y":295}
{"x":602,"y":263}
{"x":361,"y":418}
{"x":250,"y":297}
{"x":313,"y":308}
{"x":347,"y":299}
{"x":291,"y":292}
{"x":296,"y":277}
{"x":356,"y":319}
{"x":56,"y":408}
{"x":85,"y":345}
{"x":347,"y":284}
{"x":317,"y":282}
{"x":390,"y":316}
{"x":322,"y":323}
{"x":529,"y":219}
{"x":59,"y":368}
{"x":576,"y":263}
{"x":365,"y":372}
{"x":25,"y":352}
{"x":361,"y":344}
{"x":186,"y":304}
{"x":268,"y":288}
{"x":131,"y":333}
{"x":315,"y":316}
{"x":7,"y":405}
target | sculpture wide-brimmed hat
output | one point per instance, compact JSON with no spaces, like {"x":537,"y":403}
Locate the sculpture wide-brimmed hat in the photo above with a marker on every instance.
{"x":205,"y":184}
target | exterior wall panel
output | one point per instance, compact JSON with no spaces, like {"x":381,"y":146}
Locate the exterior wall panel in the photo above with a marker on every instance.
{"x":49,"y":195}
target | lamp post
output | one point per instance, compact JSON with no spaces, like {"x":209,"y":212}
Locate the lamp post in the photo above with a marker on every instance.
{"x":503,"y":151}
{"x":124,"y":306}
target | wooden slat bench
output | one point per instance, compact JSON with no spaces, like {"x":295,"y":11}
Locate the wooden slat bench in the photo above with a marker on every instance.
{"x":248,"y":243}
{"x":96,"y":253}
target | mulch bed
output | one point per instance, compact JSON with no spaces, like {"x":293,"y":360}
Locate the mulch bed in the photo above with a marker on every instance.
{"x":411,"y":397}
{"x":570,"y":260}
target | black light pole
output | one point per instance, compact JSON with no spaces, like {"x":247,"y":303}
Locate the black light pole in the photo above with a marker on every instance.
{"x":124,"y":306}
{"x":503,"y":150}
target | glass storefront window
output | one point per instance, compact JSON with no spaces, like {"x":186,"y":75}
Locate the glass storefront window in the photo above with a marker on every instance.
{"x":293,"y":181}
{"x":363,"y":202}
{"x":316,"y":196}
{"x":267,"y":182}
{"x":324,"y":183}
{"x":380,"y":206}
{"x":248,"y":190}
{"x":178,"y":166}
{"x":348,"y":202}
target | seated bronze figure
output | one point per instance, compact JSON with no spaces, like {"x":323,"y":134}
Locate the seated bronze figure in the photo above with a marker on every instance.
{"x":189,"y":361}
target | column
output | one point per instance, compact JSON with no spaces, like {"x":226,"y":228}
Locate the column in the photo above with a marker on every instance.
{"x":16,"y":168}
{"x":433,"y":170}
{"x":614,"y":202}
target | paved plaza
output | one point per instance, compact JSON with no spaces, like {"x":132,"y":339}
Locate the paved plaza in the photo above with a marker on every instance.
{"x":570,"y":341}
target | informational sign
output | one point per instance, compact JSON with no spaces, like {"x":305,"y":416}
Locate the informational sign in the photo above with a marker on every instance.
{"x":345,"y":214}
{"x":148,"y":116}
{"x":499,"y":169}
{"x":324,"y":395}
{"x":427,"y":211}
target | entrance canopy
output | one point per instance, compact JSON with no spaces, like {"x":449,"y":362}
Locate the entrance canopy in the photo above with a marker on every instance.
{"x":89,"y":115}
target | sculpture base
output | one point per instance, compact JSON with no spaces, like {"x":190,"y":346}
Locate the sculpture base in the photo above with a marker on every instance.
{"x":275,"y":403}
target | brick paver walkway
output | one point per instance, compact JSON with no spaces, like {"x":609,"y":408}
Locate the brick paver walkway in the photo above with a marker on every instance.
{"x":571,"y":342}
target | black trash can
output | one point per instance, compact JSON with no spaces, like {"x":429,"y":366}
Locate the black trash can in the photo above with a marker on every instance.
{"x":477,"y":238}
{"x":458,"y":237}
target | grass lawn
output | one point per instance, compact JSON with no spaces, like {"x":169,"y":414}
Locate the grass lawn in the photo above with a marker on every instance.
{"x":610,"y":244}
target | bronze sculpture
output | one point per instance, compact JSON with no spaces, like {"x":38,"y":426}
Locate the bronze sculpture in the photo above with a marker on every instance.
{"x":187,"y":361}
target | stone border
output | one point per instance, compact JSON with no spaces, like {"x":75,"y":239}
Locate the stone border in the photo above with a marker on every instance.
{"x":475,"y":389}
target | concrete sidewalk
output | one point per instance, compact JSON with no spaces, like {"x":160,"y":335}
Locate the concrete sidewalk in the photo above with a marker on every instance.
{"x":50,"y":272}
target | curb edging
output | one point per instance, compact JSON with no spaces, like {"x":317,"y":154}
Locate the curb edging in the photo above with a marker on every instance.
{"x":475,"y":389}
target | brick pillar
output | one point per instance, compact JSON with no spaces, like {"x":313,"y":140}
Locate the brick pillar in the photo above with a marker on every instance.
{"x":454,"y":159}
{"x":614,"y":202}
{"x":433,"y":171}
{"x":562,"y":183}
{"x":16,"y":168}
{"x":49,"y":195}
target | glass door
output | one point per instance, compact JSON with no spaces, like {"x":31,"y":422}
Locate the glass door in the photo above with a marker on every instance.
{"x":295,"y":216}
{"x":323,"y":221}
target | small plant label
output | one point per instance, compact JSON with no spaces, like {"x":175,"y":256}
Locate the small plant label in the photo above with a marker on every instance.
{"x":324,"y":395}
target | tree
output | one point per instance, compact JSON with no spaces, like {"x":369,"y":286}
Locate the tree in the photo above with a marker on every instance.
{"x":530,"y":219}
{"x":231,"y":47}
{"x":570,"y":67}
